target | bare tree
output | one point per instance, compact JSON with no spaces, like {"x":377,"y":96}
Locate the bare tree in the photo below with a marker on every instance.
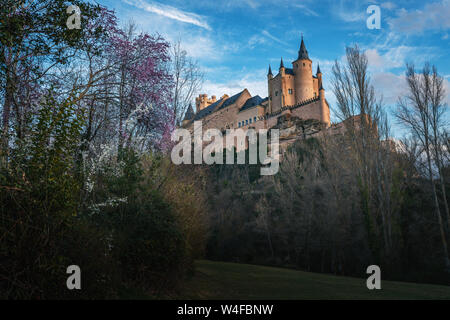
{"x":365,"y":122}
{"x":421,"y":112}
{"x":446,"y":146}
{"x":188,"y":79}
{"x":437,"y":124}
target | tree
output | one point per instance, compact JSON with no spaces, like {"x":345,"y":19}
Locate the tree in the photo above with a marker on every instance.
{"x":421,"y":112}
{"x":35,"y":40}
{"x":187,"y":78}
{"x":142,"y":88}
{"x":365,"y":122}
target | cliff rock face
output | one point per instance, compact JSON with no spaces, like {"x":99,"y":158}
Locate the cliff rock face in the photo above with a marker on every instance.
{"x":293,"y":128}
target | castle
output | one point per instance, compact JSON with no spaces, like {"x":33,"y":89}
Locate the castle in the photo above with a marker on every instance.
{"x":293,"y":93}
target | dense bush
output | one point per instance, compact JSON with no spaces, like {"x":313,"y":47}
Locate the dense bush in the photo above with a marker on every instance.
{"x":40,"y":229}
{"x":125,"y":232}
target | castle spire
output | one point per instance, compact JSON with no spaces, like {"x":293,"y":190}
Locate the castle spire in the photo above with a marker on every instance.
{"x":270,"y":71}
{"x":318,"y":69}
{"x":303,"y":53}
{"x":281,"y":63}
{"x":189,"y":113}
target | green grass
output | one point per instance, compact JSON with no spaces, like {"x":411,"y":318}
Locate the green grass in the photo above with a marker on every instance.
{"x":220,"y":280}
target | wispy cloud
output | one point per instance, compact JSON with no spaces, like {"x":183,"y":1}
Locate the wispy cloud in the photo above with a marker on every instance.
{"x":256,"y":40}
{"x":170,"y":12}
{"x":306,"y":10}
{"x":270,"y":36}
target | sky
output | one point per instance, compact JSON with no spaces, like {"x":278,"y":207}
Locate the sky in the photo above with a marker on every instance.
{"x":234,"y":41}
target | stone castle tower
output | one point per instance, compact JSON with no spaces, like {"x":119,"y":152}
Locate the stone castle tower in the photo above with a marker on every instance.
{"x":293,"y":86}
{"x":202,"y":101}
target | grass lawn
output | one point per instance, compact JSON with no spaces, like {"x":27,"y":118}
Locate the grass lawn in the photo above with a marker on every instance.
{"x":220,"y":280}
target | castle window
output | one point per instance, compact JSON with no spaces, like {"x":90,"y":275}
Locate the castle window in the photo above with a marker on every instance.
{"x":303,"y":64}
{"x":254,"y":119}
{"x":250,"y":120}
{"x":290,"y":91}
{"x":246,"y":122}
{"x":276,"y":93}
{"x":239,"y":125}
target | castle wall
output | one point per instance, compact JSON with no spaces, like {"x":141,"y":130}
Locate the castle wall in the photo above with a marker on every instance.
{"x":226,"y":117}
{"x":276,"y":94}
{"x":248,"y":114}
{"x":317,"y":110}
{"x":280,"y":91}
{"x":316,"y":87}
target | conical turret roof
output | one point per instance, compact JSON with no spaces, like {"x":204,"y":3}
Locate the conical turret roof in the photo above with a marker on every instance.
{"x":303,"y":53}
{"x":189,"y":113}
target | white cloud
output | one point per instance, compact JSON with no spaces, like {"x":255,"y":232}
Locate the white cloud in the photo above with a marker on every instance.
{"x":306,"y":10}
{"x":374,"y":58}
{"x":388,"y":5}
{"x":255,"y":40}
{"x":198,"y":42}
{"x":201,"y":47}
{"x":397,"y":56}
{"x":170,"y":12}
{"x":255,"y":83}
{"x":390,"y":85}
{"x":348,"y":11}
{"x":434,"y":16}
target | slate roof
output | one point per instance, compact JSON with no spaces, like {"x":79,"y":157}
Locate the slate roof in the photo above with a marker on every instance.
{"x":204,"y":112}
{"x":303,"y":53}
{"x":231,"y":100}
{"x":289,"y":71}
{"x":250,"y":103}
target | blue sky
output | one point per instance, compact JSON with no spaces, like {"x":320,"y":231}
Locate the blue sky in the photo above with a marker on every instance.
{"x":235,"y":40}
